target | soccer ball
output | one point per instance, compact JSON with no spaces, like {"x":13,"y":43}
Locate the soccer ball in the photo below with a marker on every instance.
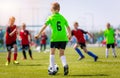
{"x":50,"y":69}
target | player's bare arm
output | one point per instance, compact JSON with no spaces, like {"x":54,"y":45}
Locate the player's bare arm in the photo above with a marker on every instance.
{"x":14,"y":31}
{"x":42,"y":29}
{"x":90,"y":35}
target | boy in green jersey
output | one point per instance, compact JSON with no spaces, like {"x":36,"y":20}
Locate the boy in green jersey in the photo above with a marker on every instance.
{"x":110,"y":39}
{"x":59,"y":37}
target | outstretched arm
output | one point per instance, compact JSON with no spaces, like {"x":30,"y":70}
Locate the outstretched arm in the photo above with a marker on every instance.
{"x":42,"y":29}
{"x":90,"y":35}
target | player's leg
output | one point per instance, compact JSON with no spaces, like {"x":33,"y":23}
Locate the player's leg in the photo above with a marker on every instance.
{"x":52,"y":61}
{"x":90,"y":53}
{"x":8,"y":55}
{"x":30,"y":52}
{"x":107,"y":50}
{"x":41,"y":45}
{"x":24,"y":53}
{"x":78,"y":51}
{"x":113,"y":50}
{"x":44,"y":47}
{"x":15,"y":54}
{"x":62,"y":57}
{"x":63,"y":60}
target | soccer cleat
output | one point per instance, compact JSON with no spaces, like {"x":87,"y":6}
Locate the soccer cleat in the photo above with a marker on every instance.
{"x":15,"y":62}
{"x":96,"y":58}
{"x":66,"y":71}
{"x":7,"y":63}
{"x":80,"y":58}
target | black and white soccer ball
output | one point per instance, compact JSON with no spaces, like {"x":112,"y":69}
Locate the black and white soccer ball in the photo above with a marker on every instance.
{"x":50,"y":69}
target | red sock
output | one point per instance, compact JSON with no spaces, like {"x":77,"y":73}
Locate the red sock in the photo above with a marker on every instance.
{"x":15,"y":56}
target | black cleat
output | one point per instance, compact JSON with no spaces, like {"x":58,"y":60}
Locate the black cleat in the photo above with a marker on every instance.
{"x":80,"y":58}
{"x":96,"y":58}
{"x":66,"y":71}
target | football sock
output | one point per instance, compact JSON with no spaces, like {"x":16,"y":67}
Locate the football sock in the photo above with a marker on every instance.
{"x":63,"y":59}
{"x":30,"y":52}
{"x":24,"y":54}
{"x":15,"y":55}
{"x":52,"y":61}
{"x":107,"y":51}
{"x":79,"y":52}
{"x":113,"y":50}
{"x":91,"y":54}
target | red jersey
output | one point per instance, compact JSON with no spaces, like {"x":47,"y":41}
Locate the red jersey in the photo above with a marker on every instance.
{"x":79,"y":34}
{"x":43,"y":39}
{"x":24,"y":37}
{"x":10,"y":39}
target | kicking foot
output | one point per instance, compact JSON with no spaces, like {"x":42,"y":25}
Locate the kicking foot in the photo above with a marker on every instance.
{"x":80,"y":58}
{"x":96,"y":58}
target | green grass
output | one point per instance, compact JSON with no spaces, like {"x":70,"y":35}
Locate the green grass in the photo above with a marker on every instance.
{"x":86,"y":68}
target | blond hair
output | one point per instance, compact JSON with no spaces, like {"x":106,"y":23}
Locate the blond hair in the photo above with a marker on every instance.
{"x":55,"y":7}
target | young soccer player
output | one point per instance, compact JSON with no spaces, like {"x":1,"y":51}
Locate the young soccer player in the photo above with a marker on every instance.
{"x":59,"y":36}
{"x":43,"y":40}
{"x":11,"y":35}
{"x":25,"y":37}
{"x":79,"y":34}
{"x":109,"y":34}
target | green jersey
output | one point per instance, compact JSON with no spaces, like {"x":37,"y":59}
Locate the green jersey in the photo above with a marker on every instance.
{"x":58,"y":26}
{"x":109,"y":35}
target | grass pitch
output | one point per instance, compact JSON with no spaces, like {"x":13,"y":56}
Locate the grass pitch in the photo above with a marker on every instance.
{"x":86,"y":68}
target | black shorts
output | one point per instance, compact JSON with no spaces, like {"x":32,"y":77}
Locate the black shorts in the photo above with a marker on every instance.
{"x":110,"y":45}
{"x":25,"y":47}
{"x":10,"y":46}
{"x":82,"y":45}
{"x":59,"y":45}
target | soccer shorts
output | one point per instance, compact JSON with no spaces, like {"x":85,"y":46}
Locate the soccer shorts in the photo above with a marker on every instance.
{"x":82,"y":45}
{"x":58,"y":45}
{"x":10,"y":46}
{"x":110,"y":45}
{"x":25,"y":47}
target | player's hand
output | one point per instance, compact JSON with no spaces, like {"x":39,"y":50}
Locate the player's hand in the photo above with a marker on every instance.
{"x":36,"y":36}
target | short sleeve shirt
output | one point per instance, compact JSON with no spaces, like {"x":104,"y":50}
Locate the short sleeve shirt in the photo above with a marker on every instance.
{"x":79,"y":34}
{"x":10,"y":39}
{"x":58,"y":26}
{"x":109,"y":36}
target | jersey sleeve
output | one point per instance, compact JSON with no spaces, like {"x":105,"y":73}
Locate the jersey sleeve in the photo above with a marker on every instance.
{"x":85,"y":32}
{"x":66,"y":22}
{"x":47,"y":22}
{"x":28,"y":32}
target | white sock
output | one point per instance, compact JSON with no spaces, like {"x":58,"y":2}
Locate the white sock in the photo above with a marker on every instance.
{"x":107,"y":50}
{"x":113,"y":50}
{"x":63,"y":59}
{"x":52,"y":61}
